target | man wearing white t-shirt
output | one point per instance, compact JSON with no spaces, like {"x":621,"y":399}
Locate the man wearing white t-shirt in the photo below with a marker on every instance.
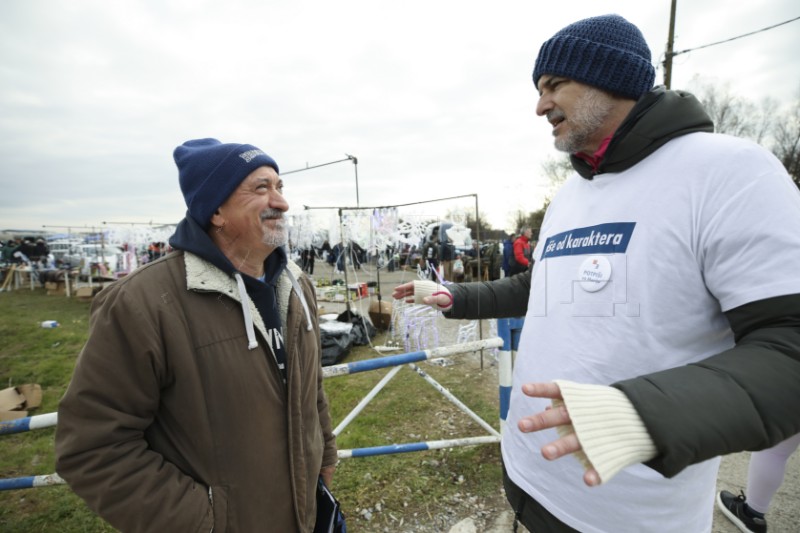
{"x":662,"y":316}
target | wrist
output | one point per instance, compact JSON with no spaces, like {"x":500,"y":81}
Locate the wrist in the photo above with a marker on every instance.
{"x":426,"y":288}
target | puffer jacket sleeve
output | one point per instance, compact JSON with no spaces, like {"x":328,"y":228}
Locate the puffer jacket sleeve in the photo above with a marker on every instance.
{"x":502,"y":298}
{"x":745,"y":398}
{"x":112,"y":399}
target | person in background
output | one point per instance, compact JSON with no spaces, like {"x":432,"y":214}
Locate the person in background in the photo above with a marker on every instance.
{"x":307,"y":256}
{"x":27,"y":249}
{"x":508,"y":250}
{"x":458,"y":269}
{"x":197,"y":402}
{"x":520,"y":259}
{"x":430,"y":256}
{"x":392,"y":258}
{"x":40,"y":251}
{"x":8,"y":250}
{"x":446,"y":251}
{"x":765,"y":475}
{"x":653,"y":341}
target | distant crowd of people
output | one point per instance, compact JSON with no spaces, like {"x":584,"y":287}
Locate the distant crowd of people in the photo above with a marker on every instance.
{"x":18,"y":251}
{"x":434,"y":258}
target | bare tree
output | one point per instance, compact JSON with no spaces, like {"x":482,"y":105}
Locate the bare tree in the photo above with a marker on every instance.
{"x":763,"y":124}
{"x":535,"y":220}
{"x":472,"y":224}
{"x":786,"y":145}
{"x":520,"y":218}
{"x":557,"y":170}
{"x":731,"y":114}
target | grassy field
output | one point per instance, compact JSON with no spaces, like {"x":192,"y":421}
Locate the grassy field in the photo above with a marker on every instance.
{"x":406,"y":492}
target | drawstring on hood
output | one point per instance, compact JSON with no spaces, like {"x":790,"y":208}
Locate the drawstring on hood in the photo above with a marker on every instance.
{"x":252,"y":343}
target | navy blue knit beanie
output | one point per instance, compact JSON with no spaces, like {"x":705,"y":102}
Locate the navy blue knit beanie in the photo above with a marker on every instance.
{"x":210,"y":171}
{"x":606,"y":52}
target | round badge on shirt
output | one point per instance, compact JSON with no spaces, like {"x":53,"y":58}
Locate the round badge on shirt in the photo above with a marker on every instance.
{"x":594,"y":273}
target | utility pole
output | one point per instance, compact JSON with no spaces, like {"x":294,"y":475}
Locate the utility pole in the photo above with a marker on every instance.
{"x":670,"y":43}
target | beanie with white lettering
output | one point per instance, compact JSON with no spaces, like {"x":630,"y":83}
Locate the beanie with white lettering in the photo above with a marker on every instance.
{"x":209,"y":171}
{"x":606,"y":52}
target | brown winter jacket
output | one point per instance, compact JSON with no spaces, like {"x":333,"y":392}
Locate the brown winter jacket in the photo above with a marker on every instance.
{"x":167,"y":402}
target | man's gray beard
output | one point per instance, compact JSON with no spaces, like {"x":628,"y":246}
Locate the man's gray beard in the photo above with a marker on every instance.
{"x":277,"y":236}
{"x":591,"y":111}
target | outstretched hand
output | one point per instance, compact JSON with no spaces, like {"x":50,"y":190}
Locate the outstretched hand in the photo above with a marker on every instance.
{"x":552,"y":418}
{"x":424,"y":292}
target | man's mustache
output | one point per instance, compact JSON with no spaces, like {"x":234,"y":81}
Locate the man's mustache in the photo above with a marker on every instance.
{"x":272,"y":214}
{"x":555,"y":114}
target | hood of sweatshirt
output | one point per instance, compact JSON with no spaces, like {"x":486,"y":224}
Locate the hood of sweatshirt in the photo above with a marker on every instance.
{"x":190,"y":237}
{"x":658,"y":117}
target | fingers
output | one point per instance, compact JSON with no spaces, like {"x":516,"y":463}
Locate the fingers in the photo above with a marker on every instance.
{"x":591,"y":477}
{"x":549,"y":418}
{"x":405,"y":290}
{"x":561,"y":447}
{"x":542,"y":390}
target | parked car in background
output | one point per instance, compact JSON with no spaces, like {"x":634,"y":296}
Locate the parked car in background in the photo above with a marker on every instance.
{"x":83,"y":255}
{"x":63,"y":249}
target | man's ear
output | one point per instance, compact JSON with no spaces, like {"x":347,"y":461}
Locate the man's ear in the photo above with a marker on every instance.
{"x":218,"y":220}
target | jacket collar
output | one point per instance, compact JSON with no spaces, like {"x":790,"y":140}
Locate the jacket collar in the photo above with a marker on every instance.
{"x":203,"y":276}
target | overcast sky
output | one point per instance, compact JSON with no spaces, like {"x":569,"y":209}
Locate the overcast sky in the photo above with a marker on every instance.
{"x":434,"y":98}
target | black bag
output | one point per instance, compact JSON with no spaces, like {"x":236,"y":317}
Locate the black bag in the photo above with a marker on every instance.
{"x":329,"y":513}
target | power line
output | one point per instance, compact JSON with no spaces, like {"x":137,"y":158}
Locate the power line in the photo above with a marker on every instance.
{"x":349,"y":157}
{"x":673,"y":54}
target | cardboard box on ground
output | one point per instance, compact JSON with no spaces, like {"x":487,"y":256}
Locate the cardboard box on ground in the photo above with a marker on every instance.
{"x":16,"y":402}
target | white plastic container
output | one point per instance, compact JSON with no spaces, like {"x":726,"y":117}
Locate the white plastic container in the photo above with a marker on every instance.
{"x":49,"y":324}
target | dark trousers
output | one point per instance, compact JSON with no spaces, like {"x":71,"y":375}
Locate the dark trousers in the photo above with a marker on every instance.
{"x":530,"y":513}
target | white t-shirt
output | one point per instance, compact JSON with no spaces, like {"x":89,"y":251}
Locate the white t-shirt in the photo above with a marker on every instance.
{"x":634,"y":271}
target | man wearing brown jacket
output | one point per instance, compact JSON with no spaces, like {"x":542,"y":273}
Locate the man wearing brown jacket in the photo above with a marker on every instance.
{"x":197,"y":402}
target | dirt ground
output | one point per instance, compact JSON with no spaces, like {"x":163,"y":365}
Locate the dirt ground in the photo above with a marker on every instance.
{"x":492,"y":515}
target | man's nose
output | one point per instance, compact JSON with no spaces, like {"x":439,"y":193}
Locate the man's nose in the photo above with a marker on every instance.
{"x":543,"y":105}
{"x":277,"y":201}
